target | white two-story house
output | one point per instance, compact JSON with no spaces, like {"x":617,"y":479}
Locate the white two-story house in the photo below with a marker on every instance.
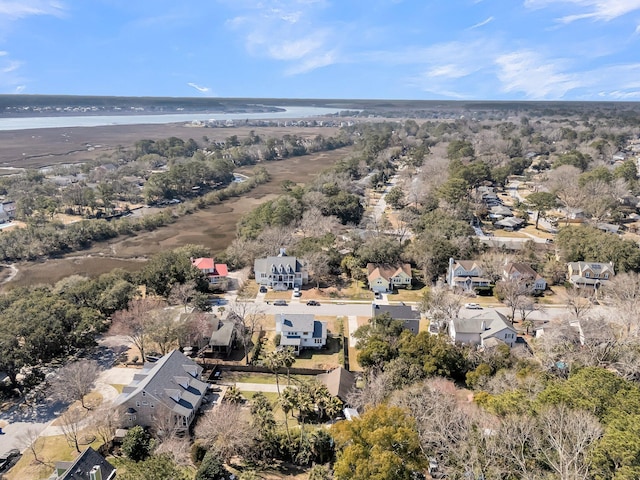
{"x":281,"y":272}
{"x":300,"y":331}
{"x":466,"y":275}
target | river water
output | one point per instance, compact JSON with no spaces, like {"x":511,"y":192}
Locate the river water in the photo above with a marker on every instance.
{"x":26,"y":123}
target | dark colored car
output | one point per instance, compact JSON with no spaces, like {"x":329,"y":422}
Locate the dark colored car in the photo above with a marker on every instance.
{"x":313,"y":303}
{"x":378,"y":295}
{"x":8,"y":459}
{"x":263,"y":289}
{"x":280,"y":303}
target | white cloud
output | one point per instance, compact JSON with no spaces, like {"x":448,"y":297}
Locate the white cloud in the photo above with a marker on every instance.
{"x":26,"y":8}
{"x":312,"y":63}
{"x":527,"y":72}
{"x":482,"y":24}
{"x":199,"y":88}
{"x":11,"y":67}
{"x":20,"y":88}
{"x":604,"y":10}
{"x":287,"y":31}
{"x":295,"y":49}
{"x":448,"y":71}
{"x":3,"y":53}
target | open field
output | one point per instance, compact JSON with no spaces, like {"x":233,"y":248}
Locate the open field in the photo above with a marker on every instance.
{"x":214,"y":227}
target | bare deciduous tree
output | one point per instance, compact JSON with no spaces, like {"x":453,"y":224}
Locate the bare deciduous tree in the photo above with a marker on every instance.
{"x":76,"y":380}
{"x":32,"y":441}
{"x":375,"y":391}
{"x":164,"y":330}
{"x":182,"y":293}
{"x":623,"y":291}
{"x":515,"y":292}
{"x":104,"y":422}
{"x":136,"y":321}
{"x":577,"y":304}
{"x":247,"y":317}
{"x":71,"y":425}
{"x":565,"y":439}
{"x":318,"y":266}
{"x":226,"y":429}
{"x":440,"y":304}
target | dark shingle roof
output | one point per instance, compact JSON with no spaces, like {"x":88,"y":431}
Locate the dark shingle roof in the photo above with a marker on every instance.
{"x":79,"y":469}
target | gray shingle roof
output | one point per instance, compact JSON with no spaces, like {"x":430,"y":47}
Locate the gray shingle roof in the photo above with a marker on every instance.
{"x":173,"y":381}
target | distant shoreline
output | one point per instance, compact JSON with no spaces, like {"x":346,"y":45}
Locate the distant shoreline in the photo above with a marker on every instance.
{"x":139,"y":118}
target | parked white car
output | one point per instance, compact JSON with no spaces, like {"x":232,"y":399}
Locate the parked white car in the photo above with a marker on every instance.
{"x":473,"y":306}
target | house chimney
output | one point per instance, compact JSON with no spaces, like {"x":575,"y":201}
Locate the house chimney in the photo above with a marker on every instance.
{"x":95,"y":473}
{"x":283,"y":252}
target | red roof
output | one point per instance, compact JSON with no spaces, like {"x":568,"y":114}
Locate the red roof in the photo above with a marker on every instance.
{"x":203,"y":263}
{"x":218,"y":269}
{"x":221,"y":269}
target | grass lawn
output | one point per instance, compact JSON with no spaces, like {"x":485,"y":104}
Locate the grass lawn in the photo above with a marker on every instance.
{"x":357,"y":291}
{"x":50,"y":450}
{"x":249,"y":290}
{"x":531,"y":229}
{"x":118,"y":386}
{"x":322,"y":359}
{"x":261,"y":378}
{"x":404,"y":295}
{"x":354,"y":366}
{"x":503,"y":233}
{"x":274,"y":295}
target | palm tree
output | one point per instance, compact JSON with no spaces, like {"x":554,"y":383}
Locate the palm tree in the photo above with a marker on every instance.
{"x":288,"y":357}
{"x":334,"y":407}
{"x":287,"y":402}
{"x":233,"y":395}
{"x":273,"y":361}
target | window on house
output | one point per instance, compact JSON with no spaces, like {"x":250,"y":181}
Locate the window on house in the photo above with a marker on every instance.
{"x":152,"y":405}
{"x":587,"y":274}
{"x":137,"y":403}
{"x":606,"y":275}
{"x":144,"y":394}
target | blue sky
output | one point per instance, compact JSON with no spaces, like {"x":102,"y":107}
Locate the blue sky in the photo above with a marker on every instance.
{"x":393,"y":49}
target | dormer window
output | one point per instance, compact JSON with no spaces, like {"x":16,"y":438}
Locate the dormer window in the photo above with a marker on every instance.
{"x":587,"y":275}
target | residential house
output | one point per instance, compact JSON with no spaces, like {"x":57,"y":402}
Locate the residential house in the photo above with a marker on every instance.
{"x":482,"y":329}
{"x":466,"y":274}
{"x":609,"y":228}
{"x":339,"y":381}
{"x":168,"y":391}
{"x":409,"y":317}
{"x":89,"y":465}
{"x":519,"y":270}
{"x":590,"y":274}
{"x":215,"y":272}
{"x":500,"y":211}
{"x":281,"y":272}
{"x":8,"y":208}
{"x":223,"y":336}
{"x":385,"y":278}
{"x":301,"y":331}
{"x":509,"y":223}
{"x":198,"y":335}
